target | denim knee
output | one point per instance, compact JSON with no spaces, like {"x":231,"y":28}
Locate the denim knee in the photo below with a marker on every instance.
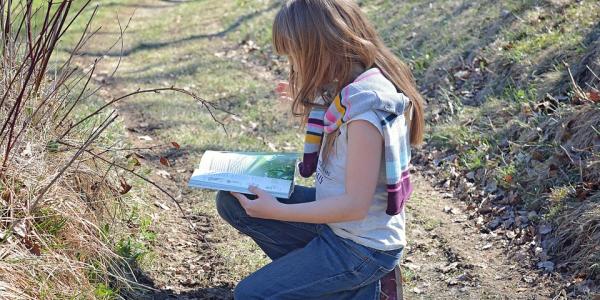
{"x":245,"y":290}
{"x":227,"y":206}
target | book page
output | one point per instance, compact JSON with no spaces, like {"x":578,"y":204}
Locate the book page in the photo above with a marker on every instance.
{"x":271,"y":172}
{"x":271,"y":165}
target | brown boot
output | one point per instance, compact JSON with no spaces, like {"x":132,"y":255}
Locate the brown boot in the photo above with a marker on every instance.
{"x":391,"y":285}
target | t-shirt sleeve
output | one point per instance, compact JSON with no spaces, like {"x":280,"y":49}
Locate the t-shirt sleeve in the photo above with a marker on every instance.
{"x":371,"y":117}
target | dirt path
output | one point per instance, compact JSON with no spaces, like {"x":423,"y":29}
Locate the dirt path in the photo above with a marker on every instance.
{"x":448,"y":258}
{"x":187,"y":262}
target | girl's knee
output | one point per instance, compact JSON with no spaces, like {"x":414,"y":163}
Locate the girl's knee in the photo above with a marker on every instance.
{"x":246,"y":290}
{"x":227,"y":205}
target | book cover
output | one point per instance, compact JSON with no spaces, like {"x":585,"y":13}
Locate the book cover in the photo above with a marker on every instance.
{"x":235,"y":171}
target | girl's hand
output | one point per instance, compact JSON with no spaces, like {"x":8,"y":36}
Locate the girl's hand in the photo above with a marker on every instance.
{"x":282,"y":90}
{"x":264,"y":207}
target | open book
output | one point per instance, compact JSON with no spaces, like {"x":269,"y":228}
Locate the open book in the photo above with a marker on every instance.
{"x":235,"y":171}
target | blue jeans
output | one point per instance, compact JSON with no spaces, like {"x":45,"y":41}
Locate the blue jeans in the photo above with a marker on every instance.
{"x":309,"y":261}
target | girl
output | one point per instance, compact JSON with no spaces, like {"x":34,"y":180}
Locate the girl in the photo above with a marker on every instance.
{"x":336,"y":241}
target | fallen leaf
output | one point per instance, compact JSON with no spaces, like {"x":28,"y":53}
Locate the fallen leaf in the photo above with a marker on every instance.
{"x":125,"y":187}
{"x":145,"y":138}
{"x":164,"y":161}
{"x":133,"y":162}
{"x":594,"y":96}
{"x":32,"y":246}
{"x":176,"y":145}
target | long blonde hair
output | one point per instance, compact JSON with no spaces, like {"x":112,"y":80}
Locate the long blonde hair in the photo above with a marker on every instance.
{"x":324,"y":41}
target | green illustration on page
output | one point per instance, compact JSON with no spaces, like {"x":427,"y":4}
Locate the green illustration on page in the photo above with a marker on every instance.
{"x":235,"y":171}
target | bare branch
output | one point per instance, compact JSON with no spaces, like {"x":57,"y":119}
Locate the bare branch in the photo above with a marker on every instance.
{"x":132,"y":172}
{"x":111,"y":118}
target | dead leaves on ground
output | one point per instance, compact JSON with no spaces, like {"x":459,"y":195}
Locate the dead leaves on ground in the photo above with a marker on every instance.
{"x":125,"y":187}
{"x":134,"y":157}
{"x":164,"y":161}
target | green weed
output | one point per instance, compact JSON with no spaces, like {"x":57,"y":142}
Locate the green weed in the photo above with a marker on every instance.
{"x":49,"y":222}
{"x":408,"y":276}
{"x":431,"y":224}
{"x":506,"y":175}
{"x":104,"y":292}
{"x":520,"y":95}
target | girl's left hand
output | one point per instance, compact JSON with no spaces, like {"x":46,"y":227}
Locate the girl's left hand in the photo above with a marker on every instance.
{"x":264,"y":207}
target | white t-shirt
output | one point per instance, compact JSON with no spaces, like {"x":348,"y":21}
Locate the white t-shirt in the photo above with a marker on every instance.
{"x":378,"y":230}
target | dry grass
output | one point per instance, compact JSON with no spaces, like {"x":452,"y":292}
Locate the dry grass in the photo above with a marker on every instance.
{"x":578,"y":240}
{"x":65,"y":231}
{"x":53,"y":197}
{"x":577,"y":237}
{"x":566,"y":158}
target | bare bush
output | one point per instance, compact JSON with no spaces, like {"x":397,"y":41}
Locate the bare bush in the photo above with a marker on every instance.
{"x":57,"y":179}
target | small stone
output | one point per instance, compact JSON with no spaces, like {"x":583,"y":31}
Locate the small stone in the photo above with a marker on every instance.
{"x":20,"y":229}
{"x":449,"y":267}
{"x":538,"y":250}
{"x":417,"y":291}
{"x":528,"y":279}
{"x":510,"y":234}
{"x":471,"y":175}
{"x":487,"y":246}
{"x":462,"y":74}
{"x":463,"y":277}
{"x":491,"y":187}
{"x":411,"y":266}
{"x":161,"y":205}
{"x":447,"y":184}
{"x":508,"y":223}
{"x":548,"y":266}
{"x":27,"y":151}
{"x":544,"y":229}
{"x":163,"y":174}
{"x":479,"y":221}
{"x":452,"y":281}
{"x":532,"y":215}
{"x":494,"y":223}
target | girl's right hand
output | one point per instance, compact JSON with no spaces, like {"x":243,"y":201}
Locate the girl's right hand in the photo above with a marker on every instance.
{"x":282,"y":90}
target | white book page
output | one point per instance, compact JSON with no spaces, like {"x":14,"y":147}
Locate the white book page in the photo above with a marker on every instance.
{"x":220,"y":170}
